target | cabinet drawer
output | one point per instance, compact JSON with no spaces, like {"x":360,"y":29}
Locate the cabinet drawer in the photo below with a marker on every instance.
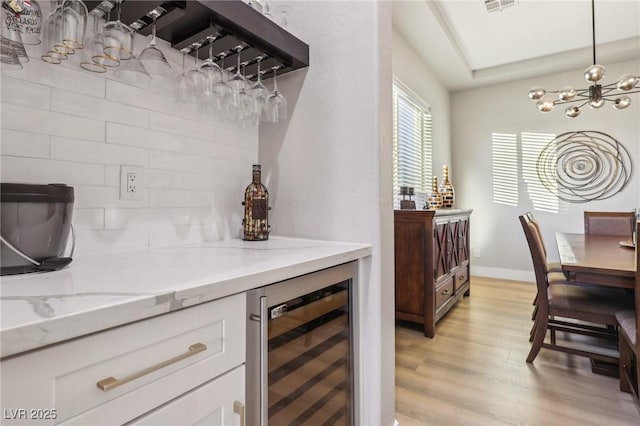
{"x":444,"y":292}
{"x":461,"y":277}
{"x":66,"y":376}
{"x":210,"y":404}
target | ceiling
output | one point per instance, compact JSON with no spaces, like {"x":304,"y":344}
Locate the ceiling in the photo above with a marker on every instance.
{"x":466,"y":46}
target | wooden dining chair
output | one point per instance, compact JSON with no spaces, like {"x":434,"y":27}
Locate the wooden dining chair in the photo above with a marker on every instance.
{"x":609,"y":223}
{"x":559,"y":302}
{"x":629,"y":341}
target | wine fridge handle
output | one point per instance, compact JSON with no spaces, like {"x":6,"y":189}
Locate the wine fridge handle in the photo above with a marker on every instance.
{"x":264,"y":368}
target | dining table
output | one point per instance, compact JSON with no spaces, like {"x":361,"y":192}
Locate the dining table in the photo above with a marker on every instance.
{"x":607,"y":260}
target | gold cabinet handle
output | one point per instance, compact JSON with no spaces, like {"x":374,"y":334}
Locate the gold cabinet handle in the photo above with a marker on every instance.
{"x":111,"y":382}
{"x":445,"y":292}
{"x":238,"y":408}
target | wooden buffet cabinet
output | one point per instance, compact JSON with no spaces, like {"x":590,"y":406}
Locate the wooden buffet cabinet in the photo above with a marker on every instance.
{"x":431,"y":264}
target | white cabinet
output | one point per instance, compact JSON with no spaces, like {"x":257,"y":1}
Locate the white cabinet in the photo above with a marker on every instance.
{"x":219,"y":402}
{"x":115,"y":376}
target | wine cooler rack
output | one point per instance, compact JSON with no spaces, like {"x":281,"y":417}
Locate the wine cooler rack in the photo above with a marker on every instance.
{"x":233,"y":22}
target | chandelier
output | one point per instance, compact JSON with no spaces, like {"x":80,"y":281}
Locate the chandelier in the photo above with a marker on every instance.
{"x":595,"y":95}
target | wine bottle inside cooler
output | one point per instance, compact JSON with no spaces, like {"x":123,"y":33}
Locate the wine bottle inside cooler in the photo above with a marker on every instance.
{"x":256,"y":207}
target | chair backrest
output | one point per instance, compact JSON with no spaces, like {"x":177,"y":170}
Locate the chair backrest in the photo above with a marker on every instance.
{"x":609,"y":223}
{"x":637,"y":294}
{"x":530,"y":218}
{"x":534,"y":241}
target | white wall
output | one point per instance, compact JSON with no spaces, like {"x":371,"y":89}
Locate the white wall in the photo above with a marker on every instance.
{"x":409,"y":68}
{"x":506,"y":108}
{"x":328,"y":168}
{"x":63,"y":124}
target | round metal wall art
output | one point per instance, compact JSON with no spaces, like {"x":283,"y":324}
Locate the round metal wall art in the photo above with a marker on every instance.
{"x":584,"y":166}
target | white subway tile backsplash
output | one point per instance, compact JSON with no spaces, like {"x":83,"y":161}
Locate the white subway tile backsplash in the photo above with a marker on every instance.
{"x":205,"y":181}
{"x":101,"y":153}
{"x":25,"y":93}
{"x":159,"y":198}
{"x":186,"y":234}
{"x":62,"y":77}
{"x":42,"y":171}
{"x":163,"y":179}
{"x":24,"y":144}
{"x":88,"y":219}
{"x":92,"y":197}
{"x":92,"y":107}
{"x":166,"y":160}
{"x":62,"y":124}
{"x":51,"y":123}
{"x":142,"y":218}
{"x":95,"y":241}
{"x":144,"y":138}
{"x":182,"y":126}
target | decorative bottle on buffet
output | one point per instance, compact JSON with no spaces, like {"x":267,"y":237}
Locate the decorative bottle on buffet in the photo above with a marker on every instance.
{"x":446,"y":190}
{"x":435,"y":198}
{"x":256,"y":206}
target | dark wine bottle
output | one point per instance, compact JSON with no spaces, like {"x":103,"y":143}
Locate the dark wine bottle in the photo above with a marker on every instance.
{"x":256,"y":207}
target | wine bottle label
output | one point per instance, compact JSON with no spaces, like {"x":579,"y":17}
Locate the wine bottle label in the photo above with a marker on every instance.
{"x":259,"y":209}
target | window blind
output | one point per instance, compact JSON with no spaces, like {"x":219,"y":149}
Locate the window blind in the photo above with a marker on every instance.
{"x":412,"y":142}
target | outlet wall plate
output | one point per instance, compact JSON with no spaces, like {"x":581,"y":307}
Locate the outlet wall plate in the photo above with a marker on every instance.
{"x":131,"y":183}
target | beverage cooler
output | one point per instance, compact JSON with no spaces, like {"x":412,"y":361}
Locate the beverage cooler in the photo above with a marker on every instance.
{"x":300,"y":351}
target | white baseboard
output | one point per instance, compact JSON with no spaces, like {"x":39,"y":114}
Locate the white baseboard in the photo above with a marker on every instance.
{"x":503,"y":274}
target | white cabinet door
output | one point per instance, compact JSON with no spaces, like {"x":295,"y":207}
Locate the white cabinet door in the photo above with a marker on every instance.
{"x":219,"y":402}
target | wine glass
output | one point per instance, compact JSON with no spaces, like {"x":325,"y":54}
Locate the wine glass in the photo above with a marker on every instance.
{"x":151,"y":56}
{"x":198,"y":78}
{"x":276,"y":107}
{"x":210,"y":69}
{"x":118,"y":38}
{"x":74,"y":23}
{"x":21,"y":21}
{"x":222,"y":90}
{"x":243,"y":112}
{"x":53,"y":50}
{"x":94,"y":59}
{"x":133,"y":71}
{"x":185,"y":92}
{"x":237,"y":82}
{"x":259,"y":92}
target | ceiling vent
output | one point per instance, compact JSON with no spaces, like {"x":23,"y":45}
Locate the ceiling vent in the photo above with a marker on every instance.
{"x":498,"y":5}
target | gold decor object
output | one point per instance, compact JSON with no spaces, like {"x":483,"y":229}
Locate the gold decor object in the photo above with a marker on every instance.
{"x":446,"y":189}
{"x":256,"y":206}
{"x":435,"y":198}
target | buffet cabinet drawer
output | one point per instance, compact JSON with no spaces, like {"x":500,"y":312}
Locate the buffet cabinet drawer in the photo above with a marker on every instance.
{"x":444,"y":292}
{"x":114,"y":376}
{"x":461,"y":277}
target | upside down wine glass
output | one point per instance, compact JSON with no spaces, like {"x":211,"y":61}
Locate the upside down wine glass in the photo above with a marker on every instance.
{"x":276,"y":107}
{"x":152,"y":57}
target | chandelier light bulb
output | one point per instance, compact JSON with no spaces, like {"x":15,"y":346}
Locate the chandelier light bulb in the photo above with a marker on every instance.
{"x":594,"y":73}
{"x":567,"y":94}
{"x":536,"y":93}
{"x":596,"y":103}
{"x":545,"y":105}
{"x":627,"y":82}
{"x":572,"y":112}
{"x":622,"y":102}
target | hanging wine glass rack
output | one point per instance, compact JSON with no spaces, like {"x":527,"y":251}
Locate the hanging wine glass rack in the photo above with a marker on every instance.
{"x":184,"y":22}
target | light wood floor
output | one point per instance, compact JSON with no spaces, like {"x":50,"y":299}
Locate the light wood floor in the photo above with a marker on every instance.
{"x":474,"y":371}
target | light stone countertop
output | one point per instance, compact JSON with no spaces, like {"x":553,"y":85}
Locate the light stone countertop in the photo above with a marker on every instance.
{"x":105,"y":290}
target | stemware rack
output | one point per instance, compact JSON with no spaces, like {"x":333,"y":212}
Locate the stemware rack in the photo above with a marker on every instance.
{"x":235,"y":23}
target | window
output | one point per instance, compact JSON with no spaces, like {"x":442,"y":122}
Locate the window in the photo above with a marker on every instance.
{"x":411,"y":144}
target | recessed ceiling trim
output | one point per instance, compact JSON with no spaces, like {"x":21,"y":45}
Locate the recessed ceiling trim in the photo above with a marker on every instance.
{"x":451,"y":35}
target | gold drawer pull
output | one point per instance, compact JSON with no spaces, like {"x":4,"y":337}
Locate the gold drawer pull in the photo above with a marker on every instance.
{"x":445,"y":292}
{"x":238,"y":408}
{"x":111,"y":382}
